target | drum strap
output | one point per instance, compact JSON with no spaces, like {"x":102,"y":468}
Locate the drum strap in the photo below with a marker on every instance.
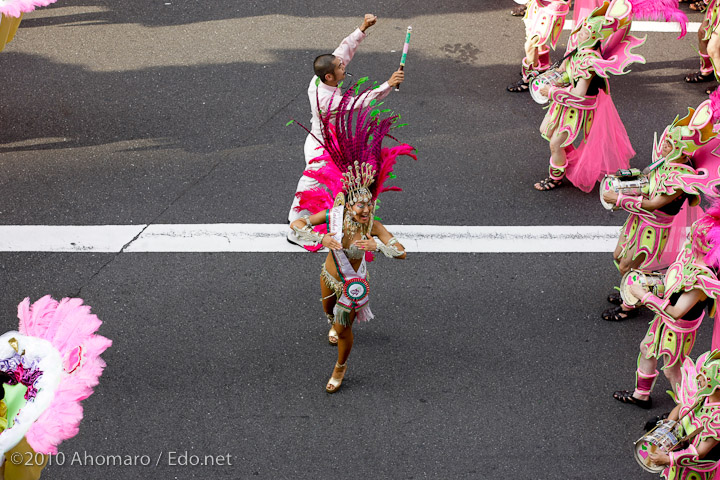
{"x":567,"y":55}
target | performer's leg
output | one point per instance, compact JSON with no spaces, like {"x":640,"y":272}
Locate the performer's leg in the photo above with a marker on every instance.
{"x":346,"y":339}
{"x":529,"y":66}
{"x":311,"y":151}
{"x":558,"y":161}
{"x":646,"y":372}
{"x":706,"y":68}
{"x":713,"y":49}
{"x":345,"y":343}
{"x":328,"y":300}
{"x":625,"y":263}
{"x":674,"y":375}
{"x":557,"y":151}
{"x":543,"y":63}
{"x":305,"y":183}
{"x":645,"y":376}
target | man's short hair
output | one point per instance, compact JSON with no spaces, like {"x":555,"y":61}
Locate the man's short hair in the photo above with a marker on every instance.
{"x":323,"y":65}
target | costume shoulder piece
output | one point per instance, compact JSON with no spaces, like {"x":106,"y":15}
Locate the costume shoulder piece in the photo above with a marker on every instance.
{"x":690,"y":136}
{"x":709,"y":419}
{"x":582,"y":64}
{"x":686,"y":273}
{"x":609,"y":27}
{"x":669,"y":178}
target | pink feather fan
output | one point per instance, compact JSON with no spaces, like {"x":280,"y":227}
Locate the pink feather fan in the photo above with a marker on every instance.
{"x":15,"y":8}
{"x":70,"y":327}
{"x":666,"y":10}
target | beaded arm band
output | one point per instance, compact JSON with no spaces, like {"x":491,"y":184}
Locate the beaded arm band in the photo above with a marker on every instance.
{"x":307,"y":233}
{"x":389,"y":250}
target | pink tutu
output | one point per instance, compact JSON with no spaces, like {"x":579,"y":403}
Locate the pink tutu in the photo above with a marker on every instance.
{"x":606,"y":149}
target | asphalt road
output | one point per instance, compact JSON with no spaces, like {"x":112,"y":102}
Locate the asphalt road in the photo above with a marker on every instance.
{"x":477,"y":366}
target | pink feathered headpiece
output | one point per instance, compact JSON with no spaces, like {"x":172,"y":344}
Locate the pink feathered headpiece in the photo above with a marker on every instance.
{"x":351,"y":133}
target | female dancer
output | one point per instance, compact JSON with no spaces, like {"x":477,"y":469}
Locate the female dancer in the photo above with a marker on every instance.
{"x":691,"y":286}
{"x":356,"y":167}
{"x":698,"y":410}
{"x":656,"y":225}
{"x":599,"y":47}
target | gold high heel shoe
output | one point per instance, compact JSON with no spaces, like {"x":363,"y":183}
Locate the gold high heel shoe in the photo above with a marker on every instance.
{"x":333,"y":337}
{"x":336,"y":379}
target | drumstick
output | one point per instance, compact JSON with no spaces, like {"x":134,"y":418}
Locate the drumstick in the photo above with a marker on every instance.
{"x":404,"y":54}
{"x":687,"y":438}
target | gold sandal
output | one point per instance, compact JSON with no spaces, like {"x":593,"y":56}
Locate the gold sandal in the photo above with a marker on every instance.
{"x":333,"y":337}
{"x":337,"y":377}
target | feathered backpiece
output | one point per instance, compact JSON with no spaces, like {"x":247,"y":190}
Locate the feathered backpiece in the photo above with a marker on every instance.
{"x":353,"y":136}
{"x":667,"y":10}
{"x":355,"y":162}
{"x":70,"y":328}
{"x":15,"y":8}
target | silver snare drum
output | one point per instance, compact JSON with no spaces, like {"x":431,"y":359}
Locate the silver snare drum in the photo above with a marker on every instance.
{"x":627,"y":182}
{"x":654,"y":281}
{"x":549,"y":78}
{"x":661,"y":439}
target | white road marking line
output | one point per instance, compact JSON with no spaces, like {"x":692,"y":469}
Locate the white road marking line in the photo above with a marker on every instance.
{"x":247,"y":237}
{"x":645,"y":26}
{"x":73,"y":238}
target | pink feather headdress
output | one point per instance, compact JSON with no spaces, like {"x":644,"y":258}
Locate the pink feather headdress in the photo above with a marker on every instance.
{"x":352,"y":137}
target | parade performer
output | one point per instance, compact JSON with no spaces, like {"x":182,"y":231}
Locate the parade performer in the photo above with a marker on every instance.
{"x":544,"y":20}
{"x":698,"y":411}
{"x":46,"y":368}
{"x":655,"y":229}
{"x":691,"y":286}
{"x":599,"y":47}
{"x":324,"y":94}
{"x":708,"y":47}
{"x":354,"y":170}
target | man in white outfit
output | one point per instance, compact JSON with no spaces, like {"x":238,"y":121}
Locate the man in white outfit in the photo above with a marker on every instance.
{"x":325,"y":94}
